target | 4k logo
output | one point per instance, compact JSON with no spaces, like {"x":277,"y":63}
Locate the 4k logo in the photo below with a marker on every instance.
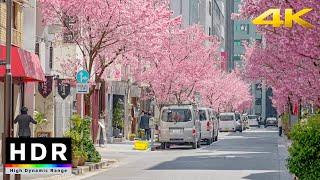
{"x":290,"y":17}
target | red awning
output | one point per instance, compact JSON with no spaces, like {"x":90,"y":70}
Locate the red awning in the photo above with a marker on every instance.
{"x":25,"y":65}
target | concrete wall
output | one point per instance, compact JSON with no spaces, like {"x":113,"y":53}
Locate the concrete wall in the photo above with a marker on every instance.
{"x":63,"y":113}
{"x":29,"y":26}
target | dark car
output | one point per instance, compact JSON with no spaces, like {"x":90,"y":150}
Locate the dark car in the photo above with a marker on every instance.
{"x":271,"y":121}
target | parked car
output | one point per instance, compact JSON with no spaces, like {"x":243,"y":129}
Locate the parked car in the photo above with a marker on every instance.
{"x":206,"y":125}
{"x":214,"y":116}
{"x":253,"y":121}
{"x":244,"y":118}
{"x":179,"y":124}
{"x":271,"y":121}
{"x":209,"y":125}
{"x":227,"y":122}
{"x":239,"y":122}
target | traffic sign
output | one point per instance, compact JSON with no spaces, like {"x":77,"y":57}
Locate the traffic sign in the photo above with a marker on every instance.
{"x":83,"y":76}
{"x":82,"y":88}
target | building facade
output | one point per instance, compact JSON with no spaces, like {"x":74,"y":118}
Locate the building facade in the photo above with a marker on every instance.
{"x":207,"y":13}
{"x":25,"y":65}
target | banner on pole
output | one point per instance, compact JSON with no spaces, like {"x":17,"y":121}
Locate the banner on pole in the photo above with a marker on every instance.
{"x":45,"y":88}
{"x":63,"y":88}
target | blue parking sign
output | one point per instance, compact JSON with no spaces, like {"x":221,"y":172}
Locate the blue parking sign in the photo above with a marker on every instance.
{"x":83,"y":76}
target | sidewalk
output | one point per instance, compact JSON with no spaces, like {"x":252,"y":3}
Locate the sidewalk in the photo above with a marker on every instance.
{"x":283,"y":145}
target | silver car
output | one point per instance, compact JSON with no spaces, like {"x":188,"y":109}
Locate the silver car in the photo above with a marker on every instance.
{"x":179,"y":124}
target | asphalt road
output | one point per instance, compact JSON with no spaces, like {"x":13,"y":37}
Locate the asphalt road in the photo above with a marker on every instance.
{"x":254,"y":154}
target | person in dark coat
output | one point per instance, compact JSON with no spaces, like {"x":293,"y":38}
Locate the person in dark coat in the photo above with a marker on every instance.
{"x":24,"y":121}
{"x":144,"y":124}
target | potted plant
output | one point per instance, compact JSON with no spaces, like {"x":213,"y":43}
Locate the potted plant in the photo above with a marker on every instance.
{"x":132,"y":137}
{"x":82,"y":145}
{"x":82,"y":158}
{"x":141,"y":133}
{"x":41,"y":120}
{"x":75,"y":158}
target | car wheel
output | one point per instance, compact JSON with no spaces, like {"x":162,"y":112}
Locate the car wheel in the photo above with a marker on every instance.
{"x":194,"y":145}
{"x":163,"y":145}
{"x":198,"y":144}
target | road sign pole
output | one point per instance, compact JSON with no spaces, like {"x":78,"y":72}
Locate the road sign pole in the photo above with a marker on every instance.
{"x":82,"y":105}
{"x":82,"y":78}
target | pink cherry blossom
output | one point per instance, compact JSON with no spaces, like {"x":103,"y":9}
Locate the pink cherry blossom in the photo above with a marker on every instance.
{"x":289,"y":59}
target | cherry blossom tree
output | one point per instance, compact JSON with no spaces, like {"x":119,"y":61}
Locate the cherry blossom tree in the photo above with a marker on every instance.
{"x":105,"y":30}
{"x":184,"y":58}
{"x":226,"y":92}
{"x":289,"y":58}
{"x":186,"y":63}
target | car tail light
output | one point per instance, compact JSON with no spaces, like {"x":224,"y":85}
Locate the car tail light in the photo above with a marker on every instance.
{"x":208,"y":126}
{"x":194,"y":132}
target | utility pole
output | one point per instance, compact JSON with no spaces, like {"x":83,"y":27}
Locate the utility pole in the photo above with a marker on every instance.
{"x":7,"y":90}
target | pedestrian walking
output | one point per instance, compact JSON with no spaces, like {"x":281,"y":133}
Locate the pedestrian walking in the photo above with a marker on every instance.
{"x":24,"y":121}
{"x":144,"y":124}
{"x":280,"y":125}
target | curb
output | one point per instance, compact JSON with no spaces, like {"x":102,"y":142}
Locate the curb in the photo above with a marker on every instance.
{"x":89,"y":167}
{"x":81,"y":170}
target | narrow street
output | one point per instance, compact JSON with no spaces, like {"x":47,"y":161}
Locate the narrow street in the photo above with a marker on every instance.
{"x":253,"y":154}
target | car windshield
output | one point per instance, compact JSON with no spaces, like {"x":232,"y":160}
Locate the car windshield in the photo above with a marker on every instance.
{"x":252,"y":117}
{"x":202,"y":115}
{"x":176,"y":115}
{"x":226,"y":118}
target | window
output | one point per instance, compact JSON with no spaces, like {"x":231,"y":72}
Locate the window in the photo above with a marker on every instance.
{"x":210,"y":8}
{"x":244,"y":28}
{"x":226,"y":118}
{"x":37,"y":49}
{"x":238,"y":118}
{"x":51,"y":57}
{"x":202,"y":115}
{"x":258,"y":101}
{"x":176,"y":115}
{"x":237,"y":43}
{"x":15,"y":15}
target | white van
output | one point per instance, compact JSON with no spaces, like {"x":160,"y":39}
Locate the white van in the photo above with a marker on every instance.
{"x":214,"y":116}
{"x":209,"y":125}
{"x":227,"y":122}
{"x":253,"y":121}
{"x":179,"y":124}
{"x":206,"y":120}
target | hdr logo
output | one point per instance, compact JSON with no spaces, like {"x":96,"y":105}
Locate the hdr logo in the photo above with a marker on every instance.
{"x":38,"y":155}
{"x":289,"y":18}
